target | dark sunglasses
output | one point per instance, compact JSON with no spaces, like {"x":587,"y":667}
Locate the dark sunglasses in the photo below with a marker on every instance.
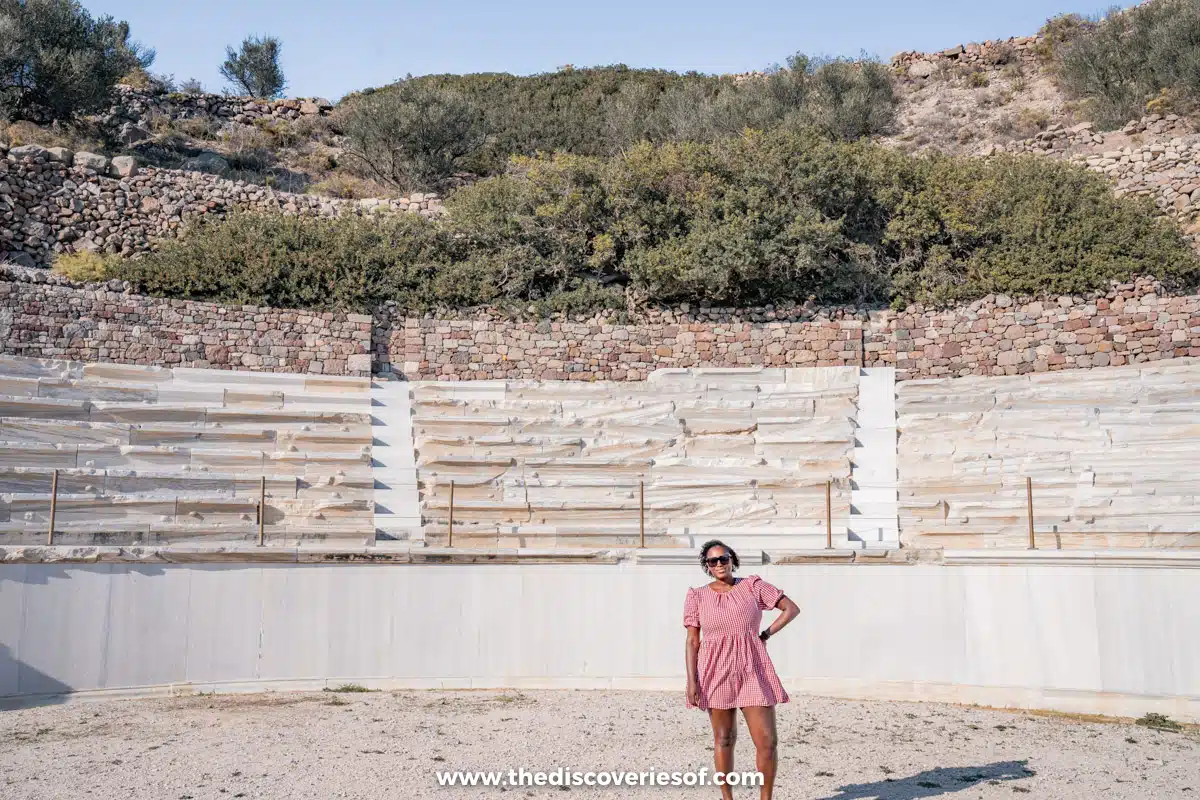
{"x":712,"y":562}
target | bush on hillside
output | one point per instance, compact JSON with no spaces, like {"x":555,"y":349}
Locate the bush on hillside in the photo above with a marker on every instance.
{"x":254,"y":68}
{"x":299,"y":262}
{"x":748,"y":220}
{"x":601,"y":111}
{"x":1119,"y":64}
{"x":414,"y":136}
{"x":57,"y":61}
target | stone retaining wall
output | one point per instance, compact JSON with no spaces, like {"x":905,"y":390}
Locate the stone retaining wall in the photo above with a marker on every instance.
{"x":48,"y":205}
{"x":1133,"y":323}
{"x":139,"y":106}
{"x":989,"y":55}
{"x":44,"y":316}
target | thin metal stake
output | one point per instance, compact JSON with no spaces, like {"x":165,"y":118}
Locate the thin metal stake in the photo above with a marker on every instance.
{"x":1029,"y":508}
{"x":262,"y":511}
{"x":53,"y":506}
{"x":828,"y":515}
{"x":642,"y":517}
{"x":451,"y":540}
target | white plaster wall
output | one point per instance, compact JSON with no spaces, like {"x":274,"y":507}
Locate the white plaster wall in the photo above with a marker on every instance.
{"x":1104,"y":640}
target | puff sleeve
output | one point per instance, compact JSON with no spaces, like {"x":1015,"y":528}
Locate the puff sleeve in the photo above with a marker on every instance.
{"x":768,"y":595}
{"x":691,"y":610}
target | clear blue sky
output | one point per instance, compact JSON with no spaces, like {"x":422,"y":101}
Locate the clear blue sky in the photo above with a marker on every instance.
{"x":331,"y":47}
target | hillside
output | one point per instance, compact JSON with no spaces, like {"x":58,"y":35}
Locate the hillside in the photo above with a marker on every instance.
{"x":633,"y":147}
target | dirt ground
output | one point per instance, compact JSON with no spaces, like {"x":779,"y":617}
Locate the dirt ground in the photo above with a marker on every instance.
{"x":390,"y":745}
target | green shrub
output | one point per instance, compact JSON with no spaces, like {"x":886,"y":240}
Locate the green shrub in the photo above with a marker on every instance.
{"x":850,"y":99}
{"x":601,"y":111}
{"x":1120,"y":63}
{"x":747,"y":220}
{"x":1023,"y":226}
{"x":413,"y":136}
{"x":57,"y":61}
{"x":300,"y":262}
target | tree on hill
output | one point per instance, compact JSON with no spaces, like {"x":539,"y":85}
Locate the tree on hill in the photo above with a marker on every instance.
{"x":254,"y":69}
{"x":413,"y":136}
{"x":57,"y":61}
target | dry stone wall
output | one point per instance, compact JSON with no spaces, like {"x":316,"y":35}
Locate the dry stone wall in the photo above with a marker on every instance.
{"x":1157,"y":157}
{"x":44,"y":316}
{"x":141,"y":106}
{"x":1133,"y":323}
{"x":53,"y":200}
{"x":989,"y":55}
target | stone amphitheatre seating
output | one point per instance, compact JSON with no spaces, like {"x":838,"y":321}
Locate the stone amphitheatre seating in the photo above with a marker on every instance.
{"x":150,"y":455}
{"x":1113,"y":455}
{"x":740,"y":454}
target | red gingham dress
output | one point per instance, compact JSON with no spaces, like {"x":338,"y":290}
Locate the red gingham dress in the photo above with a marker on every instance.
{"x":734,"y":668}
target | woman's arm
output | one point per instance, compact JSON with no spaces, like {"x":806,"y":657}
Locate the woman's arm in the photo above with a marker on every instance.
{"x":788,"y":612}
{"x":691,"y":650}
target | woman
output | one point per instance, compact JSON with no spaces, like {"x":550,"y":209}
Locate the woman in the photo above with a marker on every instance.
{"x":729,"y":667}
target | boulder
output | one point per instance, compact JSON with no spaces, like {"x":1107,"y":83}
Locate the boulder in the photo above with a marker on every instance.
{"x":28,"y":151}
{"x":123,"y":167}
{"x":921,"y":69}
{"x":91,"y":161}
{"x":61,"y":154}
{"x":309,"y":108}
{"x":208,"y":162}
{"x":132,"y":134}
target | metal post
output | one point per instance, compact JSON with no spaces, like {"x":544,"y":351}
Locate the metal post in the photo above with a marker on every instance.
{"x":53,"y":506}
{"x":451,"y":540}
{"x":642,"y":517}
{"x":1029,"y":508}
{"x":262,"y":511}
{"x":828,"y":515}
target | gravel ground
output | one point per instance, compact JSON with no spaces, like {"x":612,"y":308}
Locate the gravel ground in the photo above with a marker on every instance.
{"x":376,"y":745}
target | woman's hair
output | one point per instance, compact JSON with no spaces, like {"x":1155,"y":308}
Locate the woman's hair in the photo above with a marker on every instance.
{"x":709,"y":545}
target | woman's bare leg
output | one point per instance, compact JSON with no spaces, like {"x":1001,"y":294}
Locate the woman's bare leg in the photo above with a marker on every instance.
{"x":724,"y":725}
{"x":761,"y":722}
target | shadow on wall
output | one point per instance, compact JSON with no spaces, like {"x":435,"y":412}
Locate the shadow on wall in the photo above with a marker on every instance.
{"x":14,"y":673}
{"x":935,"y":782}
{"x":22,"y":685}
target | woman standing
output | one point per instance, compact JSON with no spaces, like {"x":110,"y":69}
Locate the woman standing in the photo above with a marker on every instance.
{"x":727,"y":663}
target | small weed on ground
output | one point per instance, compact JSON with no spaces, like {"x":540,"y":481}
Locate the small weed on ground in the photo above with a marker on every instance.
{"x":347,"y":688}
{"x":1159,"y":723}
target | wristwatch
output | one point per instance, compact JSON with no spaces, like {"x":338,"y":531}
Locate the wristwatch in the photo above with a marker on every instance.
{"x":766,"y":634}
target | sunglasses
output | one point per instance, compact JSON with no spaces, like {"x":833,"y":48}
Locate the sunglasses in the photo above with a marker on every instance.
{"x":712,"y":562}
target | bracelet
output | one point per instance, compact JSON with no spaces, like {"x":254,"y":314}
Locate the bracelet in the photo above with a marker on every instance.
{"x":766,"y":634}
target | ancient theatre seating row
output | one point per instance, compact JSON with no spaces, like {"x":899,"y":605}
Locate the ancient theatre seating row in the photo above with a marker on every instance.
{"x":151,"y":455}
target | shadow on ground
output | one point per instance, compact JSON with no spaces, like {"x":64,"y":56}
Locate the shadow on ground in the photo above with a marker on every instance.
{"x":934,"y":782}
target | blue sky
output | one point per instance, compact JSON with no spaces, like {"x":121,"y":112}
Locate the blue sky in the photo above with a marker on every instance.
{"x":330,"y":48}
